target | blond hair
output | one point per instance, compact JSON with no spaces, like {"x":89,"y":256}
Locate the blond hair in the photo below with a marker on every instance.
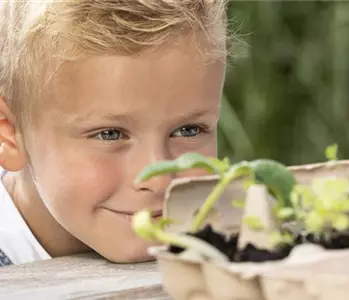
{"x":34,"y":34}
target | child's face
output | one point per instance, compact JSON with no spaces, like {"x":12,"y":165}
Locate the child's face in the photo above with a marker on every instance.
{"x":109,"y":118}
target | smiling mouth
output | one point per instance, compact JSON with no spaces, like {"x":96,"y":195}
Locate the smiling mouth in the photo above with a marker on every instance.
{"x":129,"y":215}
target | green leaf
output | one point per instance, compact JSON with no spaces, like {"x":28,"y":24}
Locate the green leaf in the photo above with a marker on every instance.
{"x":341,"y":222}
{"x":285,"y":213}
{"x":278,"y":239}
{"x":238,"y":203}
{"x":331,"y":194}
{"x":302,"y":197}
{"x":184,"y":162}
{"x":253,"y":222}
{"x":239,"y":169}
{"x":331,"y":152}
{"x":196,"y":160}
{"x":340,"y":206}
{"x":314,"y":222}
{"x":277,"y":177}
{"x":219,"y":166}
{"x":158,"y":168}
{"x":333,"y":187}
{"x":226,"y":161}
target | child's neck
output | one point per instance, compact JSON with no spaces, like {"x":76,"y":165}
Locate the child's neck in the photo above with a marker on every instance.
{"x":53,"y":237}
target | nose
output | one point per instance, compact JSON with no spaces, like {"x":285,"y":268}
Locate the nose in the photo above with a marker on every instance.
{"x":158,"y":184}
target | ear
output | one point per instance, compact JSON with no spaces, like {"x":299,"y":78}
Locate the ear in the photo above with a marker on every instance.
{"x":12,"y":156}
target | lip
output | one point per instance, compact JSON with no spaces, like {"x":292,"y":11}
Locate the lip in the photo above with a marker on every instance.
{"x":156,"y":214}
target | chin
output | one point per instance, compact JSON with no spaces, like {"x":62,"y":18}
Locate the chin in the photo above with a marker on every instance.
{"x":134,"y":253}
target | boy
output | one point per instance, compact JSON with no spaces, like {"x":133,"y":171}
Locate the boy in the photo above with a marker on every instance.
{"x":90,"y":93}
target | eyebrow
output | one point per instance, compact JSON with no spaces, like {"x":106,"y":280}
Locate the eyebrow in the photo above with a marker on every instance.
{"x":198,"y":113}
{"x":75,"y":119}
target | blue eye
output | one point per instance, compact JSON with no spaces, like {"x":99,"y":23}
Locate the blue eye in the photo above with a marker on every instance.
{"x":110,"y":135}
{"x":187,"y":131}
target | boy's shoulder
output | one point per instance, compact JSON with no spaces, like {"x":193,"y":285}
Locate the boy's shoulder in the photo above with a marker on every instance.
{"x":17,"y":243}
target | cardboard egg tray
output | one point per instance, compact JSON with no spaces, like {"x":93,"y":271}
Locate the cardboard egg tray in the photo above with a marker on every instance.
{"x":309,"y":273}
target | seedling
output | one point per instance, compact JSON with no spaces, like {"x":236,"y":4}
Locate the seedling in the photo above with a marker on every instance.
{"x":322,"y":208}
{"x":331,"y":152}
{"x":144,"y":227}
{"x":317,"y":213}
{"x":274,"y":175}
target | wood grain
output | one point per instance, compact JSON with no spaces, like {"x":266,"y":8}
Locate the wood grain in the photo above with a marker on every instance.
{"x":85,"y":276}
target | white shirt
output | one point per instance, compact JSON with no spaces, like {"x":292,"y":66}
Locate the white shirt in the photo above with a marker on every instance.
{"x":17,"y":242}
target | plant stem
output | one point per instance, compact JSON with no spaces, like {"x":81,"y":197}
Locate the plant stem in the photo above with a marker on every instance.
{"x":190,"y":242}
{"x":234,"y":172}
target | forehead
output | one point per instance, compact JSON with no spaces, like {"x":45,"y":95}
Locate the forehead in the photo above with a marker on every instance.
{"x":173,"y":74}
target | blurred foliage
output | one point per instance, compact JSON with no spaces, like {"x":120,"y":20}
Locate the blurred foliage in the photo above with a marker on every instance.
{"x":286,"y":96}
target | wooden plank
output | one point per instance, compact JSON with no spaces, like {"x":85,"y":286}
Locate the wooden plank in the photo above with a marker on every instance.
{"x":149,"y":293}
{"x":84,"y":276}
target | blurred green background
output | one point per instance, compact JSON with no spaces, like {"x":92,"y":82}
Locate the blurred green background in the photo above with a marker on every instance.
{"x":286,"y":95}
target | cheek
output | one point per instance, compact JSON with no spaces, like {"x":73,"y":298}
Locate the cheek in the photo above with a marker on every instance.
{"x":73,"y":181}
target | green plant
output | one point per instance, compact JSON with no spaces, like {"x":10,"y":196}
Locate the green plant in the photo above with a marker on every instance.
{"x":274,"y":175}
{"x":322,"y":208}
{"x":331,"y":152}
{"x":154,"y":231}
{"x":319,"y":209}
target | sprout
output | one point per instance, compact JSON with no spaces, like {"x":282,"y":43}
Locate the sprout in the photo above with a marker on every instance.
{"x":279,"y":180}
{"x":281,"y":239}
{"x":274,"y":175}
{"x":144,"y":227}
{"x":331,"y":152}
{"x":322,"y":207}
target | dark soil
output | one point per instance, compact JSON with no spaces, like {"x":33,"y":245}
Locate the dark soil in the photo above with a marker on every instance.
{"x":226,"y":246}
{"x":250,"y":253}
{"x":337,"y":241}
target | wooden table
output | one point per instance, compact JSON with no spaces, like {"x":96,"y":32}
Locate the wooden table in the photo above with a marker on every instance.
{"x":84,"y":277}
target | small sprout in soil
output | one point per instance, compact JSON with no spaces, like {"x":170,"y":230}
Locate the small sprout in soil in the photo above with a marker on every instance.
{"x":281,"y":239}
{"x":146,"y":229}
{"x":285,"y":213}
{"x":322,"y":208}
{"x":331,"y":152}
{"x":278,"y":179}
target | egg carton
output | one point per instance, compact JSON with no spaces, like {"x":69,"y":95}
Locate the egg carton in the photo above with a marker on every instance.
{"x":309,"y":273}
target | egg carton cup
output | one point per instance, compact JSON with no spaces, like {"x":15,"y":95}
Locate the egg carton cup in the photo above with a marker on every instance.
{"x":322,"y":276}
